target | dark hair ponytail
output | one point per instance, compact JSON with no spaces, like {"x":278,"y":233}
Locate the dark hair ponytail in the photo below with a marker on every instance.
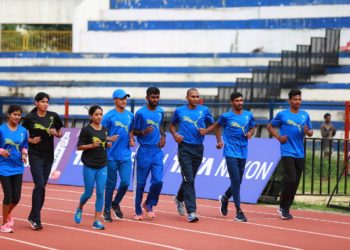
{"x":39,"y":96}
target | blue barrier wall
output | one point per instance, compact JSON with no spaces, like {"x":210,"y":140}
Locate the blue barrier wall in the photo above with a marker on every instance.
{"x":301,"y":23}
{"x":212,"y":177}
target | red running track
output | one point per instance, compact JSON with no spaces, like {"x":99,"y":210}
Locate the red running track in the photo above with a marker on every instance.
{"x":264,"y":230}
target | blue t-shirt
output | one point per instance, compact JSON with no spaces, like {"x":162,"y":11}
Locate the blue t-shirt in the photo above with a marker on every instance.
{"x":13,"y":141}
{"x":119,"y":123}
{"x":190,"y":120}
{"x":291,"y":125}
{"x":144,"y":118}
{"x":236,"y":126}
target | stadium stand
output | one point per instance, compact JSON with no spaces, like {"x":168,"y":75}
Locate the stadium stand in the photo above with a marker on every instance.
{"x":180,"y":44}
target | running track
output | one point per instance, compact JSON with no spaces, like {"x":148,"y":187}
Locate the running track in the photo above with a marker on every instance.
{"x":264,"y":230}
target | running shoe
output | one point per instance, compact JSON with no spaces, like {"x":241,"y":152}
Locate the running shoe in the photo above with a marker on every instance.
{"x":78,"y":215}
{"x":180,"y":207}
{"x":117,"y":211}
{"x":149,"y":211}
{"x":240,"y":217}
{"x":223,"y":205}
{"x":6,"y":228}
{"x":279,"y":211}
{"x":285,"y":215}
{"x":98,"y":225}
{"x":192,"y":217}
{"x":10,"y":220}
{"x":35,"y":225}
{"x":138,"y":217}
{"x":107,"y":217}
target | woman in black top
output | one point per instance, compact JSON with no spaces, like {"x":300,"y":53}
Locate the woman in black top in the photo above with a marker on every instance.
{"x":43,"y":126}
{"x":93,"y":142}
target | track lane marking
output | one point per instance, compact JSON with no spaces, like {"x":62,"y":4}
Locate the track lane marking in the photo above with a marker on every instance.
{"x":213,"y":218}
{"x":208,"y":206}
{"x":166,"y":226}
{"x":27,"y":243}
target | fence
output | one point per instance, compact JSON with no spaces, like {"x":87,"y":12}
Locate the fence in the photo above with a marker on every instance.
{"x":324,"y":165}
{"x":36,"y":41}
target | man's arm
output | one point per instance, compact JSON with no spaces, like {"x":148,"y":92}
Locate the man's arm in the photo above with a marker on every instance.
{"x":162,"y":140}
{"x":307,"y":131}
{"x":139,"y":132}
{"x":178,"y":138}
{"x":219,"y":143}
{"x":204,"y":131}
{"x":274,"y":133}
{"x":251,"y":132}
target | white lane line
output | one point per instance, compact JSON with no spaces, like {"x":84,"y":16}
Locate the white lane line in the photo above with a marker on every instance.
{"x":27,"y":243}
{"x":249,"y":223}
{"x":269,"y":226}
{"x":219,"y":235}
{"x":301,"y":231}
{"x":171,"y":227}
{"x":103,"y":234}
{"x":208,"y":206}
{"x":302,"y":217}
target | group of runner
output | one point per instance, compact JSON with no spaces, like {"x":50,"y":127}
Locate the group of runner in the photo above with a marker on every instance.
{"x":106,"y":143}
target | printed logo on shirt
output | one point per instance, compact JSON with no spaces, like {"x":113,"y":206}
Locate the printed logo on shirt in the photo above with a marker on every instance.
{"x":189,"y":120}
{"x":236,"y":125}
{"x":96,"y":139}
{"x":293,"y":123}
{"x":153,"y":123}
{"x":41,"y":127}
{"x":122,"y":125}
{"x":10,"y":142}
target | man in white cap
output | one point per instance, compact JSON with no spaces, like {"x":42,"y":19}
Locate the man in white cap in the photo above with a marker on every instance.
{"x":119,"y":122}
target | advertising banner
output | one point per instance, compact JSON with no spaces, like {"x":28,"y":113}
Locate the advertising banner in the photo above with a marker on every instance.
{"x":212,"y":177}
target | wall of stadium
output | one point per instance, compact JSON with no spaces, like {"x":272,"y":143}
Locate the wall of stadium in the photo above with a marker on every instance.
{"x":207,"y":30}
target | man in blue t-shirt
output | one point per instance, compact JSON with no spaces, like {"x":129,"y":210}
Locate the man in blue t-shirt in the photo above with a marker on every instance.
{"x":191,"y":119}
{"x":294,"y":124}
{"x":149,"y":157}
{"x":239,"y":126}
{"x":119,"y":123}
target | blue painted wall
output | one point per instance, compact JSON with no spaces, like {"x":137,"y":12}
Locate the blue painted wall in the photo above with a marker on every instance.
{"x":199,"y":4}
{"x":302,"y":23}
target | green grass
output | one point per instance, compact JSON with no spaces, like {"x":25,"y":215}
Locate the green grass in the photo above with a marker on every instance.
{"x":310,"y":206}
{"x":322,"y":208}
{"x":332,"y":169}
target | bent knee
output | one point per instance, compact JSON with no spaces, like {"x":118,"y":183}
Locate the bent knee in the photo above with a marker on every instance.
{"x":124,"y":184}
{"x":6,"y":200}
{"x":158,"y":183}
{"x":15,"y":201}
{"x":99,"y":194}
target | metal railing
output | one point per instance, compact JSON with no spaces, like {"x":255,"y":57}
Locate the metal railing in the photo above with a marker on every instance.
{"x":324,"y":165}
{"x":36,"y":41}
{"x":295,"y":67}
{"x":324,"y":162}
